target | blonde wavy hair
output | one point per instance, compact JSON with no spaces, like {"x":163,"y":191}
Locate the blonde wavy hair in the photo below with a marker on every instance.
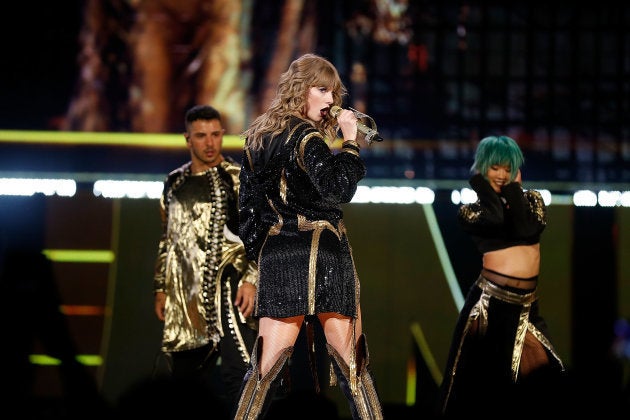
{"x":305,"y":72}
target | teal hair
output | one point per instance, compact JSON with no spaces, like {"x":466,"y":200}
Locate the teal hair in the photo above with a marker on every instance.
{"x":498,"y":150}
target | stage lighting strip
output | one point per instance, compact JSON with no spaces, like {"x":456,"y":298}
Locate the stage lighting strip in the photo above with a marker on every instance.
{"x":80,"y":255}
{"x":427,"y":356}
{"x":451,"y":279}
{"x":151,"y":140}
{"x":84,"y":359}
{"x":76,"y":256}
{"x":416,"y":330}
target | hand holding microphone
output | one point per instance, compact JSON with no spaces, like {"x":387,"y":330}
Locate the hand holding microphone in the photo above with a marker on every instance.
{"x":370,"y":133}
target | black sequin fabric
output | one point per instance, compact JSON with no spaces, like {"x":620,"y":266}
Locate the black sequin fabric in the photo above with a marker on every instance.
{"x":498,"y":221}
{"x":291,"y":223}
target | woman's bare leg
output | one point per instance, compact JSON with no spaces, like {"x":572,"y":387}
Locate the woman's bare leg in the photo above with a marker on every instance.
{"x":271,"y":353}
{"x":533,"y":356}
{"x":348,"y":350}
{"x":339,"y":334}
{"x":277,"y":334}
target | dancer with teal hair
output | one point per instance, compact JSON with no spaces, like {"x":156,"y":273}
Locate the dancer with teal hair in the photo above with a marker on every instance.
{"x":501,"y":358}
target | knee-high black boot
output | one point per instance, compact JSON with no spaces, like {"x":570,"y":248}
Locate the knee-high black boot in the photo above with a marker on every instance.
{"x":363,"y":400}
{"x":257,"y":391}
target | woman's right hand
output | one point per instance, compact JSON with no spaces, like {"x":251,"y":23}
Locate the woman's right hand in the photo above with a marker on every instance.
{"x":518,"y":177}
{"x":348,"y":124}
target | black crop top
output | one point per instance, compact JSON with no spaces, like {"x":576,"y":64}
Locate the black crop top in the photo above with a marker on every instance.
{"x":498,"y":221}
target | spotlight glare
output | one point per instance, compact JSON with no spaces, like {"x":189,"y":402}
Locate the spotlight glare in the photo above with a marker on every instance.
{"x":32,"y":186}
{"x":130,"y":189}
{"x":584,"y":198}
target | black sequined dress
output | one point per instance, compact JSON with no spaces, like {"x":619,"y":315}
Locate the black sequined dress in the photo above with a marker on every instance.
{"x":291,"y":223}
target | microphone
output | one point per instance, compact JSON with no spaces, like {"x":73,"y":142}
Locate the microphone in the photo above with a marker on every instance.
{"x":370,"y":133}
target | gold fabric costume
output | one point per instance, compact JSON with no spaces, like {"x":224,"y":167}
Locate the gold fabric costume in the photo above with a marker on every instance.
{"x":198,"y":244}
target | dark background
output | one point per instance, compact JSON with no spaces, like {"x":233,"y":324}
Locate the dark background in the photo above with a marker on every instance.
{"x":554,"y":76}
{"x":39,"y":43}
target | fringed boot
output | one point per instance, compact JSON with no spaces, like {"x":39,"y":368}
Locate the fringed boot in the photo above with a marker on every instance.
{"x":357,"y":383}
{"x":258,"y":391}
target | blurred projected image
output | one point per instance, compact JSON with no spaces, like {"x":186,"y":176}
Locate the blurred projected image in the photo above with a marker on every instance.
{"x":434,"y":75}
{"x":142,"y":63}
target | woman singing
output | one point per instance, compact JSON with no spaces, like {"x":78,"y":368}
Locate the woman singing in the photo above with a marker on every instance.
{"x":292,"y":188}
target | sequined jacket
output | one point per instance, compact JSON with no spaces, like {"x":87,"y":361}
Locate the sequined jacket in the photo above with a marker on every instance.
{"x":198,"y":243}
{"x":291,"y":222}
{"x":497,"y":221}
